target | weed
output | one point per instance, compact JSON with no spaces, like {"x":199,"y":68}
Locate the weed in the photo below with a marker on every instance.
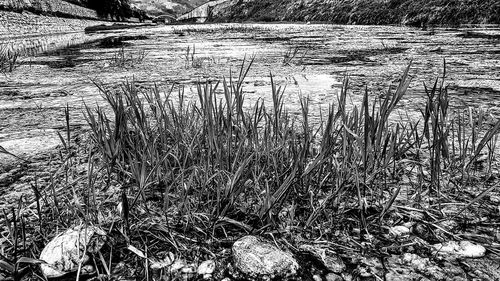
{"x":190,"y":58}
{"x":8,"y":59}
{"x":127,"y":59}
{"x":291,"y":54}
{"x":214,"y":156}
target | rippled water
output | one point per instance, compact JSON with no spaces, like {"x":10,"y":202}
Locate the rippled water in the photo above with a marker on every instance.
{"x":374,"y":57}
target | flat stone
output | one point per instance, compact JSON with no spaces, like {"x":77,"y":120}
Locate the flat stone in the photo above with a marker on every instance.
{"x":414,"y":267}
{"x":462,"y":249}
{"x":65,"y":252}
{"x":206,"y":267}
{"x":333,"y":277}
{"x":369,"y":267}
{"x":399,"y":231}
{"x":256,"y":258}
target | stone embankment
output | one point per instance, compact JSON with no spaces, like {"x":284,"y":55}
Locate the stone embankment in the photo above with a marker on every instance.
{"x":20,"y":18}
{"x":48,"y":7}
{"x":31,"y":26}
{"x":14,"y":25}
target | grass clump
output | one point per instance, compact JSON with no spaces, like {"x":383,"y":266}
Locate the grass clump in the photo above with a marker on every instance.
{"x":219,"y":166}
{"x":164,"y":173}
{"x":8,"y":59}
{"x":190,"y":59}
{"x":124,"y":59}
{"x":292,"y":55}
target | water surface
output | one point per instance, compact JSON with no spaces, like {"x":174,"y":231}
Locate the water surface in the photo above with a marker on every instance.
{"x":373,"y":57}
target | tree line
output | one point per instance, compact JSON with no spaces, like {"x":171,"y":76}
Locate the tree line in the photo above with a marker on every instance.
{"x":117,"y":10}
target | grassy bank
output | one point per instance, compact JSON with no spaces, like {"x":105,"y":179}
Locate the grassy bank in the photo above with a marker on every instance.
{"x":407,"y":12}
{"x":168,"y":174}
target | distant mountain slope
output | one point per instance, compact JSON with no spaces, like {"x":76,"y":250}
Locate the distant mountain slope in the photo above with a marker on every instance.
{"x":158,"y":7}
{"x":409,"y":12}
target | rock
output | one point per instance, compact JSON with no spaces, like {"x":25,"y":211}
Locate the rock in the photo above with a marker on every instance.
{"x":206,"y":269}
{"x":187,"y":272}
{"x":413,"y":267}
{"x":348,"y":276}
{"x":436,"y":50}
{"x":256,"y":258}
{"x":316,"y":277}
{"x":66,"y":251}
{"x":482,"y":269}
{"x":425,"y":232}
{"x":370,"y":267}
{"x":177,"y":265}
{"x":415,"y":261}
{"x":325,"y":256}
{"x":399,"y":231}
{"x":464,"y":249}
{"x":333,"y":277}
{"x":449,"y":225}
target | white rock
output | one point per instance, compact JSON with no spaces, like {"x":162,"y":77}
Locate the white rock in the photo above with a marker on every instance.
{"x":333,"y":277}
{"x":206,"y":267}
{"x":317,"y":278}
{"x":415,"y":261}
{"x":399,"y":231}
{"x":188,"y":270}
{"x":65,"y":252}
{"x":464,"y":249}
{"x":257,"y":258}
{"x":177,"y":265}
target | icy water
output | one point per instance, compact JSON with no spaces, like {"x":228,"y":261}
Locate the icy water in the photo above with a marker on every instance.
{"x":310,"y":60}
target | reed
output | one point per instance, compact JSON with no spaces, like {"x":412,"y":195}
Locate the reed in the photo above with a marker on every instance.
{"x":213,"y":156}
{"x":9,"y":59}
{"x":127,"y":59}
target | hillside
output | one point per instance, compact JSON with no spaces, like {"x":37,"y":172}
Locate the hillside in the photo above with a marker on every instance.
{"x":408,"y":12}
{"x":157,"y":7}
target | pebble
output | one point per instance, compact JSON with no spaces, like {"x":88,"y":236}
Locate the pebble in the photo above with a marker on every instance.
{"x":462,"y":249}
{"x":399,"y":231}
{"x":65,"y":252}
{"x":206,"y":269}
{"x":257,"y":258}
{"x":317,"y":278}
{"x":333,"y":277}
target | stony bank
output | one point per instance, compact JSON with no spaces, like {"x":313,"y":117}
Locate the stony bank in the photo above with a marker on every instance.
{"x":39,"y":17}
